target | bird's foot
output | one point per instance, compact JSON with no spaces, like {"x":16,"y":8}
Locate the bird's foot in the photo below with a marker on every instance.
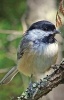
{"x":55,"y":67}
{"x":47,"y":78}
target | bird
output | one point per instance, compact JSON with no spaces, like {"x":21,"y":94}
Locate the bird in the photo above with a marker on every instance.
{"x":37,"y":51}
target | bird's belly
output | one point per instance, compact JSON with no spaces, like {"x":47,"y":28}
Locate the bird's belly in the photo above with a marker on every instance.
{"x":35,"y":63}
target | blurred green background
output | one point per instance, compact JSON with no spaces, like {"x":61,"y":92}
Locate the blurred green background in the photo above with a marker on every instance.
{"x":11,"y":12}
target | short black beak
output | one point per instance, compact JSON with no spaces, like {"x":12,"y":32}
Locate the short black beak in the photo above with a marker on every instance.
{"x":56,"y":32}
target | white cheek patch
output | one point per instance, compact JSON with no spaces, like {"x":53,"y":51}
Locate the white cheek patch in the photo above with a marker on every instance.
{"x":37,"y":34}
{"x":31,"y":36}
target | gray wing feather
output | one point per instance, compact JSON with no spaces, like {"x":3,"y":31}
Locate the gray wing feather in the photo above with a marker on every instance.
{"x":9,"y":76}
{"x":24,"y":44}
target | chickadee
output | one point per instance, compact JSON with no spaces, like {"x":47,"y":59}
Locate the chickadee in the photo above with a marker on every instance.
{"x":38,"y":50}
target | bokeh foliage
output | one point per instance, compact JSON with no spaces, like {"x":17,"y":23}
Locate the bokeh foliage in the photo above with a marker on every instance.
{"x":11,"y":12}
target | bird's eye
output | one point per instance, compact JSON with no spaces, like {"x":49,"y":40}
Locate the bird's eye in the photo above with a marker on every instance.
{"x":45,"y":29}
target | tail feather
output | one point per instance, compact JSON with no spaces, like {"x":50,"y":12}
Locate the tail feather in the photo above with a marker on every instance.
{"x":9,"y":76}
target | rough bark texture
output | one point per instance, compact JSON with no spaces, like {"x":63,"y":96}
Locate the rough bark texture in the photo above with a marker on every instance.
{"x":43,"y":87}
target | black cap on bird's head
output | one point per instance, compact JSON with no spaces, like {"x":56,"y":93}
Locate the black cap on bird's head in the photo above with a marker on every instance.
{"x":43,"y":25}
{"x":46,"y":26}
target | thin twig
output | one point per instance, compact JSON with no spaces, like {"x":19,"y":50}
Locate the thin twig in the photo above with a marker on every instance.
{"x":14,"y":32}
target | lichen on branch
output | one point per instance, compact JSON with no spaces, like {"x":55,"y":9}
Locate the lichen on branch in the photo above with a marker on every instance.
{"x":43,"y":87}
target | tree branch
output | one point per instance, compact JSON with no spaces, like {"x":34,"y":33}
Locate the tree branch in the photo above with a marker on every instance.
{"x":14,"y":32}
{"x":37,"y":90}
